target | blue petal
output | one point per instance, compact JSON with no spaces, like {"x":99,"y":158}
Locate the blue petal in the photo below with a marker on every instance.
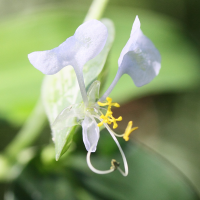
{"x":87,"y":42}
{"x":139,"y":58}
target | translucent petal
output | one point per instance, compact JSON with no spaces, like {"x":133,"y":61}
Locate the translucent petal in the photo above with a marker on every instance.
{"x":90,"y":133}
{"x":93,"y":92}
{"x":88,"y":41}
{"x":139,"y":58}
{"x":70,"y":116}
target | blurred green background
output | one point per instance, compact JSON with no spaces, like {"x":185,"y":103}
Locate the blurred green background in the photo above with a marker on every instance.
{"x":163,"y":154}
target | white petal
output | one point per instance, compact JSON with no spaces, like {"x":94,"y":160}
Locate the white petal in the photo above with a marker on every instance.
{"x":88,"y":41}
{"x":90,"y":133}
{"x":140,"y":59}
{"x":70,"y":116}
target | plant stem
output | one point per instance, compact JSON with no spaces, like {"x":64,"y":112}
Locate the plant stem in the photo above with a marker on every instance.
{"x":81,"y":83}
{"x":96,"y":9}
{"x":29,"y":132}
{"x":109,"y":90}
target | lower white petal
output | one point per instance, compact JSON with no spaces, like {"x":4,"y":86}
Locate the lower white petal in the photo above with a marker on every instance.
{"x":90,"y":133}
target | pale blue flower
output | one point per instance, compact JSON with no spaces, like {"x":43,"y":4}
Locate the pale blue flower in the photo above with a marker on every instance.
{"x":87,"y":42}
{"x":139,"y":59}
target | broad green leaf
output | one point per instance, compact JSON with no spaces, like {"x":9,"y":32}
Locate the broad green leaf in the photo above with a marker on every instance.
{"x":61,"y":90}
{"x":150,"y":177}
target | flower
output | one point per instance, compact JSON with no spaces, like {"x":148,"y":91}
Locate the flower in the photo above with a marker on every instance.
{"x":139,"y":59}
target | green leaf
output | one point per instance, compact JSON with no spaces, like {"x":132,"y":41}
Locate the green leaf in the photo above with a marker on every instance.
{"x":150,"y":177}
{"x":61,"y":90}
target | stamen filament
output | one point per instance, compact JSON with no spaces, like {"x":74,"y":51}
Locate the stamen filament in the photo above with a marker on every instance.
{"x":125,"y":173}
{"x":112,"y":133}
{"x":94,"y":169}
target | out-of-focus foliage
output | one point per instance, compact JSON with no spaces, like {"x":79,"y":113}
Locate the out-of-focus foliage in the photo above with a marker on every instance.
{"x":156,"y":180}
{"x":168,"y":121}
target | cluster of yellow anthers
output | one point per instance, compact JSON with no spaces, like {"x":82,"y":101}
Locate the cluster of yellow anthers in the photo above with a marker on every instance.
{"x":108,"y":118}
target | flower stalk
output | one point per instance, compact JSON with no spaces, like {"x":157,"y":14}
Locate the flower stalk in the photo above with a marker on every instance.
{"x":96,"y":9}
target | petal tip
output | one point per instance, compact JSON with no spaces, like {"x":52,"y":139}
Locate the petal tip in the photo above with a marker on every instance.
{"x":136,"y":25}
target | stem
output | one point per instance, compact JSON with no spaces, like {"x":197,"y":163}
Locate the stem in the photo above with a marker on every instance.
{"x":96,"y":9}
{"x":109,"y":90}
{"x":29,"y":132}
{"x":95,"y":12}
{"x":81,"y":83}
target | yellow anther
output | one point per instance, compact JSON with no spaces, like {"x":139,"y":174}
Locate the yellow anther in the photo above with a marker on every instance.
{"x":100,"y":124}
{"x":113,"y":120}
{"x":109,"y":99}
{"x":102,"y":104}
{"x":116,"y":105}
{"x":108,"y":118}
{"x":129,"y":130}
{"x":108,"y":103}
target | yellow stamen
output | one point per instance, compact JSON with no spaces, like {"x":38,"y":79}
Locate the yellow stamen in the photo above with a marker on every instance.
{"x":108,"y":118}
{"x":129,"y":130}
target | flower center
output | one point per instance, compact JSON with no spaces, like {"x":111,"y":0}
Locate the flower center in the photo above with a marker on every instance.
{"x":108,"y":118}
